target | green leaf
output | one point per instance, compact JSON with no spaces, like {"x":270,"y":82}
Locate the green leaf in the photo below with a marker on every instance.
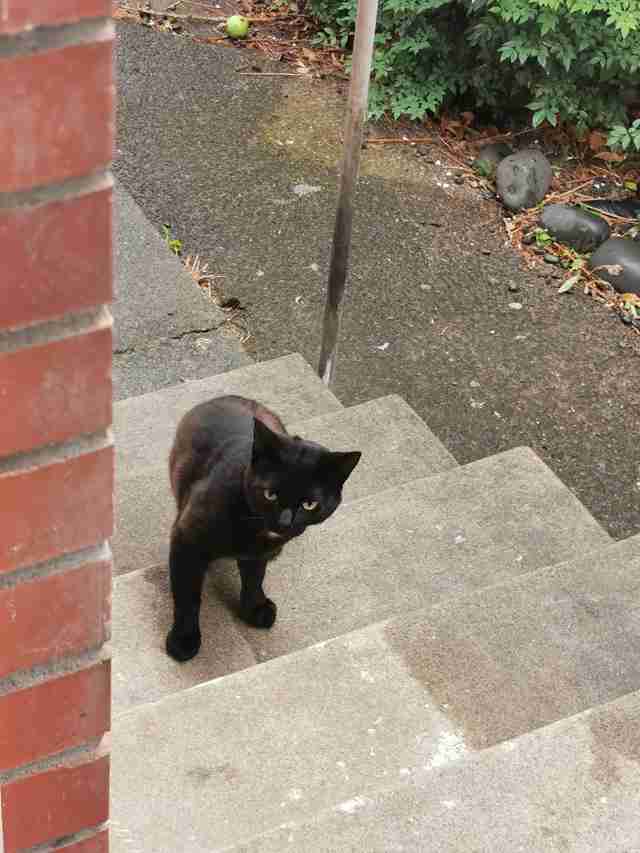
{"x":568,"y":285}
{"x":542,"y":237}
{"x":538,"y":117}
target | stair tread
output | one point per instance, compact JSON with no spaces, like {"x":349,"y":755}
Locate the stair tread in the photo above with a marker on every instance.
{"x":399,"y":550}
{"x":397,"y":446}
{"x":141,"y":670}
{"x":570,"y":786}
{"x":396,"y":703}
{"x":145,"y":425}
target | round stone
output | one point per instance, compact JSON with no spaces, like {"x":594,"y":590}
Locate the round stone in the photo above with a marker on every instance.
{"x":523,"y":179}
{"x":618,"y":262}
{"x":577,"y":228}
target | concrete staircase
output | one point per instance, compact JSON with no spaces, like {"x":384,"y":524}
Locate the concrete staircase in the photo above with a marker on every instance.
{"x":453,"y":667}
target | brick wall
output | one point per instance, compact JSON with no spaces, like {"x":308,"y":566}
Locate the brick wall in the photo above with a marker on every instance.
{"x":56,"y":460}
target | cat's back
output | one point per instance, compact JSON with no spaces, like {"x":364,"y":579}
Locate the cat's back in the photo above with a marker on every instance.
{"x":221,"y":427}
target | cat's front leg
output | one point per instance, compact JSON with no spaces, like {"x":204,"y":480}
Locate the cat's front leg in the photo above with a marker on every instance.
{"x":187,"y":568}
{"x":255,"y":607}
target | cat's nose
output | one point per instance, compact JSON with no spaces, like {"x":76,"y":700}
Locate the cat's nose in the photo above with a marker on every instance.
{"x":286,"y":517}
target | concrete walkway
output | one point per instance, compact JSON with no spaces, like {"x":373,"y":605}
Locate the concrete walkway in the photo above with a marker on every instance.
{"x":165,"y":329}
{"x":244,"y":168}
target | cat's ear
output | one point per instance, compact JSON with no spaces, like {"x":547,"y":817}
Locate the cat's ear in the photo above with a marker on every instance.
{"x":344,"y":463}
{"x":266,"y":443}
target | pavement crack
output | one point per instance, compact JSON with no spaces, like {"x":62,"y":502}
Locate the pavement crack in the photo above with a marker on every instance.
{"x":186,"y":334}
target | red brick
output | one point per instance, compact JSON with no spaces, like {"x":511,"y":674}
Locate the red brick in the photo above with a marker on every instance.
{"x":58,"y":122}
{"x":55,"y":715}
{"x":55,"y":391}
{"x":55,"y":803}
{"x":96,"y":844}
{"x":56,"y":508}
{"x":26,"y":14}
{"x":54,"y":616}
{"x":56,"y":258}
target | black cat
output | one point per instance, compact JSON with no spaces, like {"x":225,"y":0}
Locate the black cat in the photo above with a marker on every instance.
{"x":243,"y":489}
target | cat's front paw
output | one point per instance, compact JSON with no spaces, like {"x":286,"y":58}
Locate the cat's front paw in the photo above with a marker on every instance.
{"x":183,"y":647}
{"x":261,"y":615}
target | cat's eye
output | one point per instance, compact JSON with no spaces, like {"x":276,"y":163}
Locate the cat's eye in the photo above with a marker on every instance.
{"x":310,"y":505}
{"x":270,"y":496}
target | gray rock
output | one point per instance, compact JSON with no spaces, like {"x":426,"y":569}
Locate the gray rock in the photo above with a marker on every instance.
{"x":577,"y":228}
{"x":489,"y":156}
{"x":523,"y":179}
{"x":629,"y":208}
{"x":618,"y":262}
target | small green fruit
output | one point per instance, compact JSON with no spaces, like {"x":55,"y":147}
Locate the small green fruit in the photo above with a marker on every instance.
{"x":237,"y":27}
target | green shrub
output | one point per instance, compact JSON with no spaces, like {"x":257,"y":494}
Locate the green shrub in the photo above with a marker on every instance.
{"x":624,"y":138}
{"x":564,"y":60}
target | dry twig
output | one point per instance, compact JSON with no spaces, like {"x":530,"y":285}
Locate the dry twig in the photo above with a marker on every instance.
{"x":204,"y":19}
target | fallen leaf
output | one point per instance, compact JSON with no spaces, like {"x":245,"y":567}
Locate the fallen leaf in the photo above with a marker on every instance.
{"x":597,"y":140}
{"x":611,"y":156}
{"x":468,"y":117}
{"x":567,"y":285}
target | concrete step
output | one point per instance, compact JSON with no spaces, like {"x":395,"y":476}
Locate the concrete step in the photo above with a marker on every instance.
{"x":165,"y":329}
{"x":144,"y":428}
{"x":572,"y":786}
{"x":397,"y":447}
{"x":401,"y":702}
{"x":393,"y":552}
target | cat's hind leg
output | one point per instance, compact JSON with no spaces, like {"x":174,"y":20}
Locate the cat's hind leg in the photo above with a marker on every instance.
{"x":255,"y":608}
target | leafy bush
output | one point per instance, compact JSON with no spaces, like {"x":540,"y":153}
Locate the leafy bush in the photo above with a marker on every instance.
{"x":625,"y":138}
{"x":565,"y":60}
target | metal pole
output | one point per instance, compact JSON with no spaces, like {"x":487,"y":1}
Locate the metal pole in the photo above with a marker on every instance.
{"x":356,"y":113}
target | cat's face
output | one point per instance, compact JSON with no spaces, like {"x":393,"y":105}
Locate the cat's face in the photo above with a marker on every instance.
{"x":293,"y":483}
